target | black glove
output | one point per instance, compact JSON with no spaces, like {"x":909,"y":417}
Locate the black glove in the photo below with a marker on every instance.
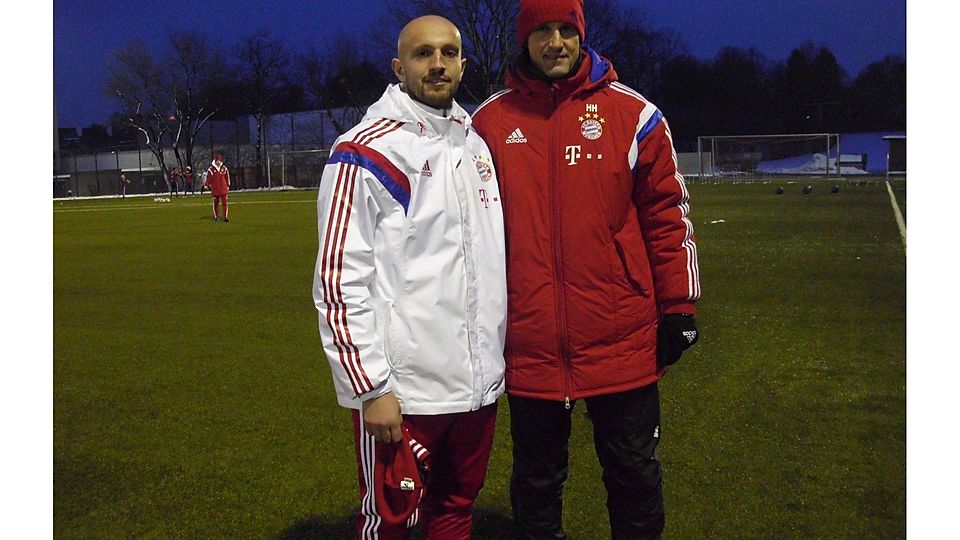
{"x":677,"y":333}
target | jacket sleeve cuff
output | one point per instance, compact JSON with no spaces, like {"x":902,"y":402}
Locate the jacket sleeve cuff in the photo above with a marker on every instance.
{"x":383,"y":388}
{"x":686,"y":308}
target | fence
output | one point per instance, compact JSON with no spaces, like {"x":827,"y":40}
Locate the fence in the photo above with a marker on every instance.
{"x":98,"y":174}
{"x":96,"y":171}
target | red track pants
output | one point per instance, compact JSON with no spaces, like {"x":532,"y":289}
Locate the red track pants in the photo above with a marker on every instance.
{"x":216,"y":204}
{"x":459,"y":445}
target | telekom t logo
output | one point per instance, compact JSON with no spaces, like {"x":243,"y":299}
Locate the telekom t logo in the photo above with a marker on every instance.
{"x":572,"y":154}
{"x":486,"y":199}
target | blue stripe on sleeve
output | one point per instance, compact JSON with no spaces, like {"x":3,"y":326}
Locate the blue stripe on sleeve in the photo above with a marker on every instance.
{"x":649,"y":126}
{"x":401,"y":195}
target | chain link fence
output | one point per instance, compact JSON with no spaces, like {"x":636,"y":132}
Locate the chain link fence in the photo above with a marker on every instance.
{"x":293,"y":153}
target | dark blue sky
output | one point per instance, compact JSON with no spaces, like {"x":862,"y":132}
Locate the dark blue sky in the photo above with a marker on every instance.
{"x":87,"y":32}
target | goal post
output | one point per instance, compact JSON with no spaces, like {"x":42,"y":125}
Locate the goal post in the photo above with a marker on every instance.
{"x":751,"y":157}
{"x":296,"y":168}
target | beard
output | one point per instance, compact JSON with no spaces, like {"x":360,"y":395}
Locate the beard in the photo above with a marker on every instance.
{"x":438,"y":98}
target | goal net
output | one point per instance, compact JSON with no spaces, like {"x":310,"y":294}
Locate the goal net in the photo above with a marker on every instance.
{"x":296,"y":168}
{"x":749,"y":157}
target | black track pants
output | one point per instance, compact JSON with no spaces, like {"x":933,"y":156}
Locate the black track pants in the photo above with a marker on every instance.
{"x":626,"y":429}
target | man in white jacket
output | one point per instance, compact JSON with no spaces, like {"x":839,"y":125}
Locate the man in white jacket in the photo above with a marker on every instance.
{"x":410,"y":283}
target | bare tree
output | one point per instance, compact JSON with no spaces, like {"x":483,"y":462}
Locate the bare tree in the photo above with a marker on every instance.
{"x":193,"y":70}
{"x":138,"y":82}
{"x":316,"y":73}
{"x":487,"y":28}
{"x":342,"y":84}
{"x":165,"y":95}
{"x":263,"y":64}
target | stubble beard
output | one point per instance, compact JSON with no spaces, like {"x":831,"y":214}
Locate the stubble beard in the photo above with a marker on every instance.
{"x":555,"y":69}
{"x":437,"y":100}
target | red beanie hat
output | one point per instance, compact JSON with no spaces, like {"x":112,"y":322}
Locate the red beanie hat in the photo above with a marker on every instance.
{"x":399,"y":478}
{"x":533,"y":13}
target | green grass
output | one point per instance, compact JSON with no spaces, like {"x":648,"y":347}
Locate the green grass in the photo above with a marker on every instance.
{"x":191,"y":398}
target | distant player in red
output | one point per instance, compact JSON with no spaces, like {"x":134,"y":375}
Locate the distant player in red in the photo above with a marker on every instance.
{"x":175,"y":176}
{"x":123,"y":185}
{"x":218,"y":181}
{"x":188,"y":181}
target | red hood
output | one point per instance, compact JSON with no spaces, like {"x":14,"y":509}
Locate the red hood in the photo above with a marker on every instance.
{"x":595,"y":71}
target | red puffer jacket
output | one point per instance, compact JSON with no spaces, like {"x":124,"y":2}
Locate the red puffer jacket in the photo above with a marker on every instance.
{"x":599,"y":244}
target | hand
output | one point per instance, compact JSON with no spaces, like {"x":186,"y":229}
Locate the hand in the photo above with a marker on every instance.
{"x":677,"y":333}
{"x":382,"y":418}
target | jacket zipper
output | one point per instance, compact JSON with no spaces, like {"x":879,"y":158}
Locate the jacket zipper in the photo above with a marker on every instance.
{"x":459,"y":189}
{"x":558,"y":256}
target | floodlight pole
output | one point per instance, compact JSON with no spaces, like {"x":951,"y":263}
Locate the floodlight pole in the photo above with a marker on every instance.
{"x":116,"y":154}
{"x":76,"y":179}
{"x":96,"y":170}
{"x":236,"y":142}
{"x":713,"y":155}
{"x":838,"y":156}
{"x":700,"y":156}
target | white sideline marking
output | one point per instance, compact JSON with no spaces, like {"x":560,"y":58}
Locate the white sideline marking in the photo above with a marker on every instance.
{"x":898,"y":216}
{"x":167,"y":205}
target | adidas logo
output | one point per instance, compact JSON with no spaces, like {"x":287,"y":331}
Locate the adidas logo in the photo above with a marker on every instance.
{"x":691,"y":335}
{"x":426,"y":169}
{"x":516,"y":137}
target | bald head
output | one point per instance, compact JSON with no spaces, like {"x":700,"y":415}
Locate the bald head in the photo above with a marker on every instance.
{"x":428,"y":24}
{"x":429,"y":63}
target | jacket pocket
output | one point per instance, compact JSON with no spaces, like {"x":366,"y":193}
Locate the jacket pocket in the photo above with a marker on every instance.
{"x":634,"y":262}
{"x":386,"y":320}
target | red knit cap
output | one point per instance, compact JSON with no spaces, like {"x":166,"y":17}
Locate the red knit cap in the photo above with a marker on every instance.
{"x":533,"y":13}
{"x":398,"y":480}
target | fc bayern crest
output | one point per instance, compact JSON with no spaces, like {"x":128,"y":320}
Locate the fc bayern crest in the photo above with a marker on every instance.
{"x":484,"y":168}
{"x":591,"y":129}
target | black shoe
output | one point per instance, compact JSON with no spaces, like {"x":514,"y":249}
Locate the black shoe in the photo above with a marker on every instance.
{"x":216,"y":219}
{"x":225,"y":220}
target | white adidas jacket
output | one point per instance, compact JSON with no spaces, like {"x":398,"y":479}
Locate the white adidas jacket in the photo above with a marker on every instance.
{"x":410,"y":281}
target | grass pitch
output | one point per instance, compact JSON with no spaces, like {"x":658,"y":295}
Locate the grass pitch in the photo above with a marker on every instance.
{"x":191,"y":398}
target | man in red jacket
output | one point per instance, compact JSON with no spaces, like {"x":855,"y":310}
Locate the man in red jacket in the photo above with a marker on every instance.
{"x":218,"y":181}
{"x":601,"y":269}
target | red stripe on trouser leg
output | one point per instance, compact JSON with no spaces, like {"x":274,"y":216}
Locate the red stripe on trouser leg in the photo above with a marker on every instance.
{"x":369,"y":524}
{"x":225,"y":213}
{"x":459,"y":446}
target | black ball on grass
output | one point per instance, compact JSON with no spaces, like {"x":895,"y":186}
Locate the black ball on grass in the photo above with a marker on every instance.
{"x":779,"y":190}
{"x":807,"y":190}
{"x":835,"y":189}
